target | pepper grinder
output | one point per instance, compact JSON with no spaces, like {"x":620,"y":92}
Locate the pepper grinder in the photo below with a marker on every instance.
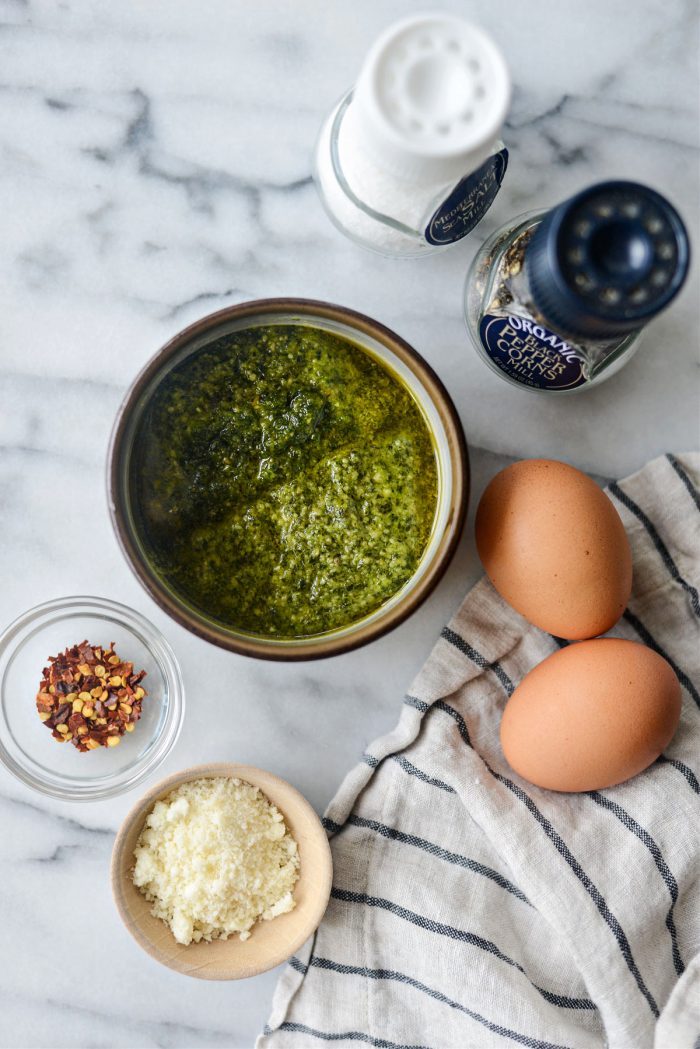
{"x":556,"y":300}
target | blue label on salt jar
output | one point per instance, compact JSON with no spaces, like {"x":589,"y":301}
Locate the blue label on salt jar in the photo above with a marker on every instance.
{"x":468,"y":202}
{"x":531,"y":354}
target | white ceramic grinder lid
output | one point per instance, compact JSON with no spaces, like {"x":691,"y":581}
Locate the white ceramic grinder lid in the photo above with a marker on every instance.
{"x":431,"y":98}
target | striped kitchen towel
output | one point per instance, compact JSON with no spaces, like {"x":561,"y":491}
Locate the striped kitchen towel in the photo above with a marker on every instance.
{"x":470,"y":908}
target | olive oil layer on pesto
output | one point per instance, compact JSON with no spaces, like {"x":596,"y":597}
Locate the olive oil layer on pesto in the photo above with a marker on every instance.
{"x":287,"y":482}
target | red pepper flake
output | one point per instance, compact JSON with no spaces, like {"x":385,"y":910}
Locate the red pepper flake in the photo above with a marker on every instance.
{"x":89,"y":696}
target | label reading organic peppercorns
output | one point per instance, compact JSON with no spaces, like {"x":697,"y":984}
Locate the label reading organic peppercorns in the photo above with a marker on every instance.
{"x":532,"y":354}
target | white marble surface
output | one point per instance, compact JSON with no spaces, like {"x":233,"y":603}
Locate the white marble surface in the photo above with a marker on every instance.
{"x":155,"y":165}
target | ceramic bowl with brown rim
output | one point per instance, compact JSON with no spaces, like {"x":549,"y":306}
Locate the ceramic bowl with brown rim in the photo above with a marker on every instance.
{"x":271,"y":942}
{"x":400,"y":360}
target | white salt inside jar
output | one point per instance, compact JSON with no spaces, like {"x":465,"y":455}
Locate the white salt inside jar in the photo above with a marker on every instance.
{"x":410,"y":160}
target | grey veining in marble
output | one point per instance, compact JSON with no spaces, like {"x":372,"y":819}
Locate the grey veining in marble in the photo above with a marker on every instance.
{"x":154,"y":166}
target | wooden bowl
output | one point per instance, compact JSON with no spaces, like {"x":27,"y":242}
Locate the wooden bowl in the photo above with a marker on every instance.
{"x":271,"y":942}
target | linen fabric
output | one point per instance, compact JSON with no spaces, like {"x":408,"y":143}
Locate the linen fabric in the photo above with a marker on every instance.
{"x":470,"y":908}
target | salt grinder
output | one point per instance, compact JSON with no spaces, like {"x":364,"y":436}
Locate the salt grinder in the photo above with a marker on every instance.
{"x":410,"y":160}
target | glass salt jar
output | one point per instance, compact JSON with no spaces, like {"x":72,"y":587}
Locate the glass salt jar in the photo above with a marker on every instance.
{"x":411,"y":159}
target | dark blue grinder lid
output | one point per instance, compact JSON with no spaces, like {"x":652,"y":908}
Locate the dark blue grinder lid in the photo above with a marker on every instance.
{"x":607,"y":260}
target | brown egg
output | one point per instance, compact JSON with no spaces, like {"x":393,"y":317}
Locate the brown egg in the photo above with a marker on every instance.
{"x":555,"y":548}
{"x":591,"y":715}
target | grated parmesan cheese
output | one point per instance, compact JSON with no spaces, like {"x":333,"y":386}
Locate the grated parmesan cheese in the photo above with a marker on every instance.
{"x":213,"y":857}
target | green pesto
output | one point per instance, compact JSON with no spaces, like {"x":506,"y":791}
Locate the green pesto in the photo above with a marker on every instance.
{"x":287,"y":481}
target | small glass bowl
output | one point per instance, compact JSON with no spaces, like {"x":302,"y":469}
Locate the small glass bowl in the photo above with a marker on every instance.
{"x":27,"y":748}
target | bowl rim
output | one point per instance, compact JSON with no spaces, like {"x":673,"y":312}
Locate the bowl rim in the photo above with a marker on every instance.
{"x":162,"y":652}
{"x":321,"y":646}
{"x":249,"y":774}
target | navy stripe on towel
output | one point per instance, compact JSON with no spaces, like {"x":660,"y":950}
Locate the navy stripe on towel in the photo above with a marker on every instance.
{"x":436,"y":850}
{"x":411,"y":770}
{"x":688,"y":484}
{"x":440,"y":929}
{"x":457,"y":717}
{"x":671,"y":884}
{"x":419,"y":704}
{"x":658,"y":542}
{"x":466,"y":649}
{"x":566,"y":854}
{"x":592,"y":890}
{"x":683,"y":769}
{"x":341,"y":1036}
{"x":646,"y":637}
{"x":390,"y":974}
